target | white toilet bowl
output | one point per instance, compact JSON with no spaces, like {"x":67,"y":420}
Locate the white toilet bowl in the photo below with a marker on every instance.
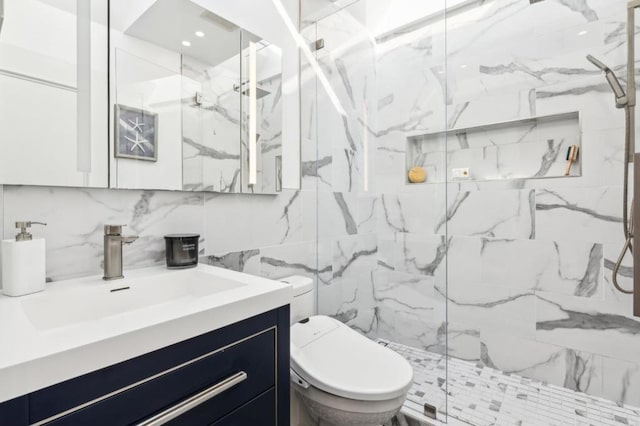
{"x":344,"y":378}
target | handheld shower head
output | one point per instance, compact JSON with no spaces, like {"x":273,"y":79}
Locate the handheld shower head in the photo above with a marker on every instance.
{"x":597,"y":63}
{"x":614,"y":83}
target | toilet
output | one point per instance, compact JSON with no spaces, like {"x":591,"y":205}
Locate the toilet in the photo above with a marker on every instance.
{"x":342,"y":377}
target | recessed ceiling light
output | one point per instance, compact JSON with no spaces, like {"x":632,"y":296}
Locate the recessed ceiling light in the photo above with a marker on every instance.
{"x":186,"y":43}
{"x":581,"y":33}
{"x":199,"y":33}
{"x":463,"y":66}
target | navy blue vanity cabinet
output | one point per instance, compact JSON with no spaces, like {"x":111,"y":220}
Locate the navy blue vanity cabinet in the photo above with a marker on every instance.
{"x":224,"y":377}
{"x":14,"y":412}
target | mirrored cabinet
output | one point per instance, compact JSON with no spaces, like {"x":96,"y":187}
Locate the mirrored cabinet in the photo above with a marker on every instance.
{"x":162,"y":94}
{"x":54,"y":87}
{"x":196,"y":101}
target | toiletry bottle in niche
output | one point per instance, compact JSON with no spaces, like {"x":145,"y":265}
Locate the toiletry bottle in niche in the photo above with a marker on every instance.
{"x":23,"y":262}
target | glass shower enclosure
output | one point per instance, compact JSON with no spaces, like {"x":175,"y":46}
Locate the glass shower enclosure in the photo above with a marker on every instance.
{"x":374,"y":79}
{"x":468,"y":164}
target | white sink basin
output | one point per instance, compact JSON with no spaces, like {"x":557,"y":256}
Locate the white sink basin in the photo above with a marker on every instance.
{"x":77,"y":326}
{"x":74,"y":305}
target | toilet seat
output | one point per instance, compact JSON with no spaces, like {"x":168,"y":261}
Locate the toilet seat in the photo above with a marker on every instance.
{"x":338,"y":360}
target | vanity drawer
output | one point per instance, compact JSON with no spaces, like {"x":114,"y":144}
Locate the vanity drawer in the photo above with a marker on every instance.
{"x":15,"y":411}
{"x":254,"y":356}
{"x":75,"y":392}
{"x":260,"y":411}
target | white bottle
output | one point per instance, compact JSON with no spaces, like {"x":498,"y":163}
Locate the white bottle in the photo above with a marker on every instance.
{"x":23,"y":263}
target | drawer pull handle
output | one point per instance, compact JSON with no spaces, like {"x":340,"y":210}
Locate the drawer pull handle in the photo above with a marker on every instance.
{"x":195,"y":400}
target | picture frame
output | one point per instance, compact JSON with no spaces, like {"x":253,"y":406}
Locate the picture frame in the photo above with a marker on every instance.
{"x":136,"y":133}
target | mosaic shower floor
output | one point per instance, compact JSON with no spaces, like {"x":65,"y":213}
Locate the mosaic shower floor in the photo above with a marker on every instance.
{"x":484,"y":396}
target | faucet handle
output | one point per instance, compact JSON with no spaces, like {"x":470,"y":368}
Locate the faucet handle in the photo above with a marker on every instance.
{"x":113,"y":229}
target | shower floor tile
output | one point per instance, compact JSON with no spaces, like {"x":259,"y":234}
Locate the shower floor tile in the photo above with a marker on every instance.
{"x":485,"y":396}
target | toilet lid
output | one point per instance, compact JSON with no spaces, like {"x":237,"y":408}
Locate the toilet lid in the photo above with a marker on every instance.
{"x":338,"y":360}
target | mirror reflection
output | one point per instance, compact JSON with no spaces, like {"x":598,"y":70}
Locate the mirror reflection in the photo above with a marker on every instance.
{"x":262,"y":115}
{"x":196,"y":101}
{"x":53,"y":81}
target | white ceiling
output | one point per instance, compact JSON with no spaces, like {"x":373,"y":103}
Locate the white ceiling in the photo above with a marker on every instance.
{"x":168,"y":22}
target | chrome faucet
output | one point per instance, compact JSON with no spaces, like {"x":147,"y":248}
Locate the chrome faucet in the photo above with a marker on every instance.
{"x":113,"y":241}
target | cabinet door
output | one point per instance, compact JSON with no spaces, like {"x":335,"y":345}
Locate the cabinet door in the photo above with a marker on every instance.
{"x":260,"y":411}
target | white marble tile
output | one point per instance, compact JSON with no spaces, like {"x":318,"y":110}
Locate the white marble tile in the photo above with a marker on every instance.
{"x":492,"y":308}
{"x":573,"y":267}
{"x":596,"y":326}
{"x":310,"y":214}
{"x":343,"y":115}
{"x":415,"y":212}
{"x":502,"y":214}
{"x":463,"y":263}
{"x":291,"y":259}
{"x":75,"y":218}
{"x":463,"y":341}
{"x":349,"y":296}
{"x":406,"y":309}
{"x":350,"y":300}
{"x":237,"y":222}
{"x":389,"y":172}
{"x":346,"y":213}
{"x":353,"y":255}
{"x":591,"y":96}
{"x":582,"y":214}
{"x":576,"y":370}
{"x":247,"y":261}
{"x":412,"y":253}
{"x":621,"y":381}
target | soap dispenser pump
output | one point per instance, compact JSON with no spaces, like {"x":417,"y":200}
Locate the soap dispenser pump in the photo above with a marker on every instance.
{"x":23,"y":262}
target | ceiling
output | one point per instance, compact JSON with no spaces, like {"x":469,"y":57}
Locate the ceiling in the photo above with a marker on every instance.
{"x":167,"y":23}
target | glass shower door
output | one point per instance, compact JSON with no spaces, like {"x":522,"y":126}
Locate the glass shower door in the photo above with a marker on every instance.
{"x":537,"y":332}
{"x":377,"y":80}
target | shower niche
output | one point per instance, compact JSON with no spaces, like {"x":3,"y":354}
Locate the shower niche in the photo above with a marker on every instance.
{"x":528,"y":148}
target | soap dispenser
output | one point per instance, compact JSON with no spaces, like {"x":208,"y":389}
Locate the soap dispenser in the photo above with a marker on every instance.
{"x":23,"y":262}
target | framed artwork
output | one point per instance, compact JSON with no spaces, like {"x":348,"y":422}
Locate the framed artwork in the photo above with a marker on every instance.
{"x":136,"y":134}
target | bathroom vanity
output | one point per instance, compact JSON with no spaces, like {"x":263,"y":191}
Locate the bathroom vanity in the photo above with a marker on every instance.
{"x":205,"y":346}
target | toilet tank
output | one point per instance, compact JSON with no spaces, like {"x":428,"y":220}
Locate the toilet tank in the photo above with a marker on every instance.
{"x":303,"y":305}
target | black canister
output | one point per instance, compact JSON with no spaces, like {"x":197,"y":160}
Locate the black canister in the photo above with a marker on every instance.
{"x":182,"y":250}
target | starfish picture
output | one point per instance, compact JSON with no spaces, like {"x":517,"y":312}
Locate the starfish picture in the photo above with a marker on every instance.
{"x":137,"y":125}
{"x":136,"y":133}
{"x":137,"y":143}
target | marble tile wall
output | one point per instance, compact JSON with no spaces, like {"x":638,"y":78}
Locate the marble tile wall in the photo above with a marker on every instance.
{"x":522,"y":265}
{"x":260,"y":235}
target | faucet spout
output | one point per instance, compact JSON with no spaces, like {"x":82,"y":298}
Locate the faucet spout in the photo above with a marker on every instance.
{"x":129,"y":239}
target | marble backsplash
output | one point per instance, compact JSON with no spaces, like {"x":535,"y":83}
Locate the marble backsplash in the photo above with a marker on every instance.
{"x":235,"y":230}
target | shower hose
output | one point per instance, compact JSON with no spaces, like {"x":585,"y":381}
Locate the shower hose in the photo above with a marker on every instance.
{"x":627,"y":222}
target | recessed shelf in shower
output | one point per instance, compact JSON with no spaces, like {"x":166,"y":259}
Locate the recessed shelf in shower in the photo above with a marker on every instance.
{"x":527,"y":148}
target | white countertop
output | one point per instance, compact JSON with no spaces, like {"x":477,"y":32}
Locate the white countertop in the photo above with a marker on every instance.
{"x":33,"y":357}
